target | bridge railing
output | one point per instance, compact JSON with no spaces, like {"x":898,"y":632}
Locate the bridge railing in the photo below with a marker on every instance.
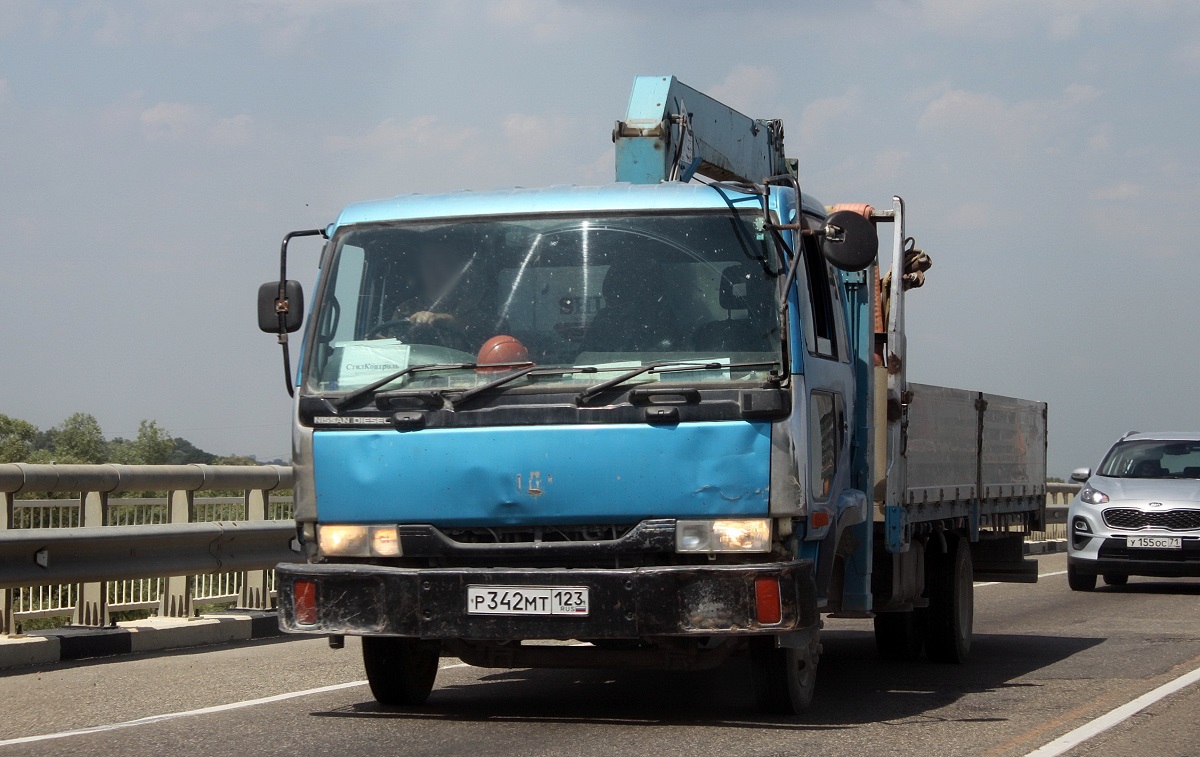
{"x":1058,"y":497}
{"x":98,"y":553}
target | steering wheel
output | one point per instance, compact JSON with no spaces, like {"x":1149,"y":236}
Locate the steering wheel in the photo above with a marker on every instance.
{"x":436,"y":334}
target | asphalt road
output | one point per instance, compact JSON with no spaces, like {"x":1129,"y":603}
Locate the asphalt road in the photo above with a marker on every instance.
{"x":1046,"y":661}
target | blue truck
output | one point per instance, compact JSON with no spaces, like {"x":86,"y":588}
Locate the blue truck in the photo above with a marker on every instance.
{"x":666,"y":419}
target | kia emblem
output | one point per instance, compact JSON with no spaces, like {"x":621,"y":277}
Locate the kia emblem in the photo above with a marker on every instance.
{"x":1156,"y":504}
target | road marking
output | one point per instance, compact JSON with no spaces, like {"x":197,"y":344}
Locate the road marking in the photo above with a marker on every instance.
{"x":192,"y":713}
{"x":1040,"y":575}
{"x":1070,"y":740}
{"x":183,"y":714}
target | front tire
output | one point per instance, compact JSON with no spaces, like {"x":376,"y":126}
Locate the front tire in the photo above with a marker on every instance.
{"x":401,"y":671}
{"x":1080,"y":581}
{"x":949,"y":583}
{"x":784,"y":677}
{"x":1116,"y":579}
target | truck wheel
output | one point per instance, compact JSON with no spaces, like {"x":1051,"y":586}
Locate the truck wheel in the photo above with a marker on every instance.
{"x":899,"y":636}
{"x":784,"y":677}
{"x":400,"y":671}
{"x":1078,"y":581}
{"x":950,"y":589}
{"x":1116,"y":579}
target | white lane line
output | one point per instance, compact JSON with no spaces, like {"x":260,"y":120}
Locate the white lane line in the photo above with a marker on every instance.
{"x":183,"y":714}
{"x":1069,"y":741}
{"x":193,"y":713}
{"x":1040,"y":575}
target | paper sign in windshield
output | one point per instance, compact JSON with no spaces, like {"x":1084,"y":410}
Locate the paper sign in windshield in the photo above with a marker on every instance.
{"x":362,"y":362}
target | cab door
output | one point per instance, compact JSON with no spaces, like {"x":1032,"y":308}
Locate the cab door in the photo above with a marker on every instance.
{"x":828,"y":384}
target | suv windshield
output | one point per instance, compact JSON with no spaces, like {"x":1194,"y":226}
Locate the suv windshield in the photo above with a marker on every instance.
{"x":1153,"y":459}
{"x":606,"y":293}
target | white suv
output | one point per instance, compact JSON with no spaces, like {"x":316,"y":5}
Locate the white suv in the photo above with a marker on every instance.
{"x":1139,"y":513}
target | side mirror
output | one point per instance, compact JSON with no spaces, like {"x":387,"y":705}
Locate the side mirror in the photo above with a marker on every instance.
{"x":1081,"y":475}
{"x":849,"y":241}
{"x":277,"y":316}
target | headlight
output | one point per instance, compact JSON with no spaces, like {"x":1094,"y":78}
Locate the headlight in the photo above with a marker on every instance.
{"x":723,"y":535}
{"x":358,"y":541}
{"x":1092,"y":496}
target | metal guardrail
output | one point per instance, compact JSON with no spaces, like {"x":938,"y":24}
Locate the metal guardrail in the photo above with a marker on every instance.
{"x":1058,"y":498}
{"x":93,"y":555}
{"x":96,"y":554}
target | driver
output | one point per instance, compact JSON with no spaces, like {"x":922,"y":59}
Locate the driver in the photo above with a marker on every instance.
{"x":450,"y":294}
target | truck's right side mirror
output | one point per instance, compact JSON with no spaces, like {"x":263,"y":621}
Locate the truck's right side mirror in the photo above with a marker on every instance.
{"x":271,"y":306}
{"x":1081,"y":475}
{"x":849,"y":241}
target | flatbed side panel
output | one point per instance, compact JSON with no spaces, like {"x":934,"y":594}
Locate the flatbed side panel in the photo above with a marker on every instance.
{"x":971,"y":454}
{"x":942,"y":445}
{"x":1014,"y":448}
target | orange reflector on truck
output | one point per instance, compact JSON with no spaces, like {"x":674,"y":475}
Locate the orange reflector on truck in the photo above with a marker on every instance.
{"x":304,"y":602}
{"x":768,"y":605}
{"x":820,"y":519}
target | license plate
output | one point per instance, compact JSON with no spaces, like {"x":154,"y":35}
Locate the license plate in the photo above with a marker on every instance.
{"x":1155,"y":542}
{"x":527,"y":600}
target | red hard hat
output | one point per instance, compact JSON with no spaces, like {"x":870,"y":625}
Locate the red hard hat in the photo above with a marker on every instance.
{"x":501,"y":349}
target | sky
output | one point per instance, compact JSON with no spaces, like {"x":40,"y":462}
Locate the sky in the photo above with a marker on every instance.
{"x":152,"y":155}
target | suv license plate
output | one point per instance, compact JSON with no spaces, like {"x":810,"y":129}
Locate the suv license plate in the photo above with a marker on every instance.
{"x":1154,"y":542}
{"x":527,"y":600}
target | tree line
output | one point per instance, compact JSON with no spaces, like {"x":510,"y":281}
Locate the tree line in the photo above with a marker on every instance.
{"x":80,"y":440}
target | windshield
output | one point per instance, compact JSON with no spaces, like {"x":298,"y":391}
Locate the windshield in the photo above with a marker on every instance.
{"x":1153,"y":459}
{"x":605,"y":292}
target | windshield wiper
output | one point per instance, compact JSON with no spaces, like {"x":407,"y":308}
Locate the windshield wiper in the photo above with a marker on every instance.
{"x":374,"y":386}
{"x":663,"y":366}
{"x":532,"y":371}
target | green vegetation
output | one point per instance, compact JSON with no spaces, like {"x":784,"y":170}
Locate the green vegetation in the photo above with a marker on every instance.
{"x":79,"y":439}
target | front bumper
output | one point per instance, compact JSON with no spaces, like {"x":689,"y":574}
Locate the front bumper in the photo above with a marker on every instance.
{"x":1111,"y":555}
{"x":1102,"y":549}
{"x":625,"y":603}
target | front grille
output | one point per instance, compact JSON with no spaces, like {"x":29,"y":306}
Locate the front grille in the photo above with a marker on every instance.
{"x":1129,"y":519}
{"x":536,"y":534}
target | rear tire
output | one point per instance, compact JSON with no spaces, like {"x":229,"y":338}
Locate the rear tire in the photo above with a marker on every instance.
{"x":949,"y":584}
{"x":1116,"y":579}
{"x":899,"y":636}
{"x":1080,"y":581}
{"x":401,"y":671}
{"x":784,"y":677}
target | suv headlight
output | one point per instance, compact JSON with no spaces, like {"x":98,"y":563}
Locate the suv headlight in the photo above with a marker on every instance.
{"x":358,"y":541}
{"x":711,"y":536}
{"x":1092,"y":495}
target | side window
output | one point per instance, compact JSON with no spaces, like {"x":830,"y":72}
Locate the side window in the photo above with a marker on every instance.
{"x":821,"y":331}
{"x":342,"y":319}
{"x":824,"y":442}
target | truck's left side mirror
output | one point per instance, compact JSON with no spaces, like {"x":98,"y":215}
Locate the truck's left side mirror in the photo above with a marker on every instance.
{"x":271,"y":306}
{"x":849,"y":241}
{"x":1081,"y":475}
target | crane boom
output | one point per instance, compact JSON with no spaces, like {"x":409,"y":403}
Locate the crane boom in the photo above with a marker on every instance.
{"x":672,"y":131}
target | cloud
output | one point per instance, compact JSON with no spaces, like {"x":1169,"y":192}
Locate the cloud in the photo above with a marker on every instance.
{"x":232,"y":132}
{"x":1121,"y":191}
{"x":169,"y":121}
{"x":820,"y":116}
{"x":544,"y":21}
{"x":397,"y":139}
{"x":185,"y":122}
{"x":1061,"y":19}
{"x":1017,"y":126}
{"x":749,"y":89}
